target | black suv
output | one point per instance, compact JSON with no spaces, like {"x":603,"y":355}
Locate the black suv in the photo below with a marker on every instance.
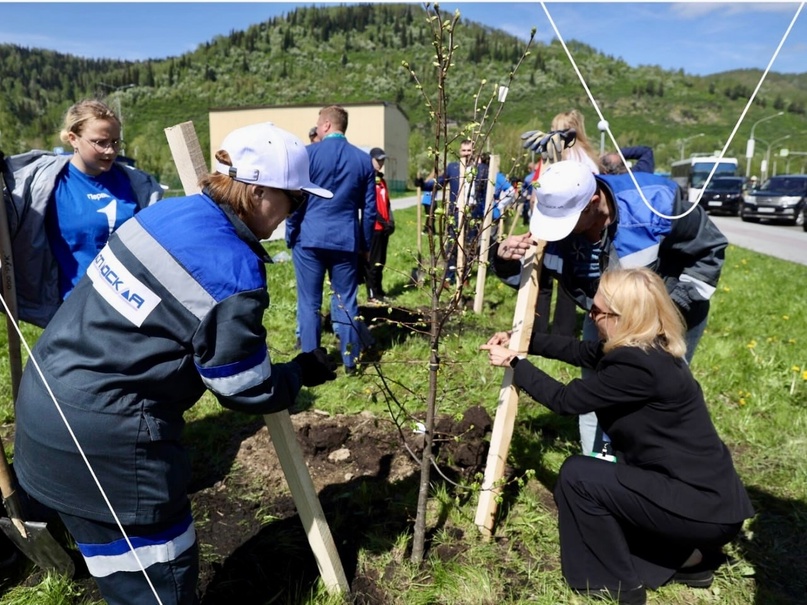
{"x":724,"y":194}
{"x":781,"y":198}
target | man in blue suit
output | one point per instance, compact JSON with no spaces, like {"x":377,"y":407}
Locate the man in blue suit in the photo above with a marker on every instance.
{"x":329,"y":235}
{"x":452,"y":173}
{"x":452,"y":176}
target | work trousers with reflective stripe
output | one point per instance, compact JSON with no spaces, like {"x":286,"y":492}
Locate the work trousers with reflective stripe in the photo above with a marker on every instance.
{"x":168,"y":551}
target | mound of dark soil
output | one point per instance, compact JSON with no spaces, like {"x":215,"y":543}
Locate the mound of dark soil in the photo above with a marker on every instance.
{"x":253,"y":543}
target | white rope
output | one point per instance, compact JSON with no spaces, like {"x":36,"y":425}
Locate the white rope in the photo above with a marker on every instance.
{"x":725,"y":147}
{"x":78,"y":445}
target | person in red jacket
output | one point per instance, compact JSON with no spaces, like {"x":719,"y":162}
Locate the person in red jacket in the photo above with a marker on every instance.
{"x":383,"y":228}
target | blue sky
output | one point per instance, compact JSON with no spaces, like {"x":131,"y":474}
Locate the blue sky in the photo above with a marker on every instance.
{"x":699,"y":37}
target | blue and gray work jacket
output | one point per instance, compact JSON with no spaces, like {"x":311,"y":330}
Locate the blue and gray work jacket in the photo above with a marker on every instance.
{"x":688,"y":253}
{"x":173,"y":305}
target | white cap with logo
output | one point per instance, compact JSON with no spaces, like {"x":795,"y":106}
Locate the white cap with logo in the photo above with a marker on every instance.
{"x":563,"y":192}
{"x":263,"y":154}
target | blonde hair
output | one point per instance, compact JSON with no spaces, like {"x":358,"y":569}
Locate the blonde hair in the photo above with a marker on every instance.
{"x":574,"y":119}
{"x":336,"y":115}
{"x":80,"y":113}
{"x":225,"y":190}
{"x":647,"y":316}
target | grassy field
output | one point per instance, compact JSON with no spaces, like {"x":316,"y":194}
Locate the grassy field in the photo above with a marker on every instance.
{"x":752,"y":365}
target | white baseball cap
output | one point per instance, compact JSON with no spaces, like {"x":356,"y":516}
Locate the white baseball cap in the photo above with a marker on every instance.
{"x":263,"y":154}
{"x":564,"y":190}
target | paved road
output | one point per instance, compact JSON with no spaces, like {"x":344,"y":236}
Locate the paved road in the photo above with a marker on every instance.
{"x":781,"y":241}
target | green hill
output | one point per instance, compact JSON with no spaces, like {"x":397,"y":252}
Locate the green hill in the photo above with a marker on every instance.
{"x":354,"y":53}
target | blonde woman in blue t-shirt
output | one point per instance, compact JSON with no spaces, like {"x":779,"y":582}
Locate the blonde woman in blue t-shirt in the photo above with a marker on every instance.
{"x":65,"y":207}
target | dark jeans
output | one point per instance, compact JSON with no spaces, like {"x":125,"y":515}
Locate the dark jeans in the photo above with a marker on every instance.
{"x":564,"y":321}
{"x":374,"y":267}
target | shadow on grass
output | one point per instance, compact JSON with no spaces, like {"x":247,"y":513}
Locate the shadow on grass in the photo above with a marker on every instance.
{"x":367,"y":513}
{"x":391,"y":325}
{"x":382,"y":327}
{"x":776,"y":547}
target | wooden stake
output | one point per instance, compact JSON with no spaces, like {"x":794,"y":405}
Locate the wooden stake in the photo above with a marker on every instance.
{"x":523,"y":320}
{"x":188,"y":156}
{"x":487,"y":222}
{"x":420,"y":225}
{"x":462,"y":207}
{"x":190,"y":164}
{"x":10,"y":295}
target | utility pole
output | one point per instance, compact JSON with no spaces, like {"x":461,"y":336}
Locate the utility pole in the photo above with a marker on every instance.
{"x":749,"y":150}
{"x":686,"y":140}
{"x":603,"y":126}
{"x":118,"y":109}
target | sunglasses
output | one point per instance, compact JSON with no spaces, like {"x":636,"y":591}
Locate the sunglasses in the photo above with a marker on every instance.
{"x":296,"y":199}
{"x":595,"y":313}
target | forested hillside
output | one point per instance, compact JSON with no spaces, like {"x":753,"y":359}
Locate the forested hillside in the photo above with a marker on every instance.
{"x":354,"y":53}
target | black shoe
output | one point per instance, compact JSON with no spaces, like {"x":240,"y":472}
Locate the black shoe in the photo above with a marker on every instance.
{"x":634,"y":596}
{"x":351,"y":370}
{"x":693,"y":577}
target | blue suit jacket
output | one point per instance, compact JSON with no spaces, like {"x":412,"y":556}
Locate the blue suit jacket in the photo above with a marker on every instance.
{"x":452,"y":175}
{"x":345,"y":222}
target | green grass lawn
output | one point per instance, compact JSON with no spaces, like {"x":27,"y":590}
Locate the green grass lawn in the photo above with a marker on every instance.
{"x":751,"y":363}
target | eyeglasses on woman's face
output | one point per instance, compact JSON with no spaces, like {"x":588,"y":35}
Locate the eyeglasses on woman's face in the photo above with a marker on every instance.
{"x":104,"y":145}
{"x":595,"y":313}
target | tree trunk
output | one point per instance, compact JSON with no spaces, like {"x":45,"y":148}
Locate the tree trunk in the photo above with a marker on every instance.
{"x":419,"y":537}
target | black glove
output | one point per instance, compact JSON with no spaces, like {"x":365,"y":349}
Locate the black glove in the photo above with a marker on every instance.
{"x":316,"y":366}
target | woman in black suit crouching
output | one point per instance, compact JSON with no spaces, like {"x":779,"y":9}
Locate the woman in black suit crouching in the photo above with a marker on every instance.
{"x":642,"y":514}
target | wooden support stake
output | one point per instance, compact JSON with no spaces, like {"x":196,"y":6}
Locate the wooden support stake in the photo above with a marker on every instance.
{"x":484,"y":245}
{"x":10,"y":295}
{"x":188,"y":156}
{"x":523,"y":320}
{"x":462,"y":207}
{"x":190,"y":164}
{"x":420,"y":225}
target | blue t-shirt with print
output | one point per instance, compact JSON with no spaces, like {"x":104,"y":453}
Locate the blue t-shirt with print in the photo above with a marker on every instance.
{"x":84,"y":212}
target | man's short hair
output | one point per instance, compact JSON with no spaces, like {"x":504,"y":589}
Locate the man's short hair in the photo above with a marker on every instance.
{"x":613,"y":164}
{"x":336,"y":115}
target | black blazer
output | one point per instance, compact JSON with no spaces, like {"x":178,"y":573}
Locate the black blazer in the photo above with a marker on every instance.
{"x":653,"y":410}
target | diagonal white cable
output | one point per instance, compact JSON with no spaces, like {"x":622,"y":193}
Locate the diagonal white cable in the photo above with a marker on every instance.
{"x":750,"y":101}
{"x":728,"y":142}
{"x":78,"y":445}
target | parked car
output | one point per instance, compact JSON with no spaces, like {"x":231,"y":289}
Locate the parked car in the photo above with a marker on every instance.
{"x":724,"y":194}
{"x":781,"y":198}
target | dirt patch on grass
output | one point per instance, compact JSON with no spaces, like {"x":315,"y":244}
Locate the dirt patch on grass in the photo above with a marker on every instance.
{"x":252,"y":543}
